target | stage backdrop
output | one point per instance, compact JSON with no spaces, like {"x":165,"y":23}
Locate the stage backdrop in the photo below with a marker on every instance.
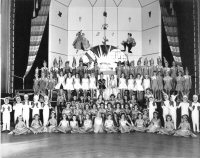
{"x":142,"y":18}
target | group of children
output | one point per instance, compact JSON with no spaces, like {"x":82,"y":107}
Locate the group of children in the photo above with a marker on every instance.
{"x":100,"y":116}
{"x":127,"y":79}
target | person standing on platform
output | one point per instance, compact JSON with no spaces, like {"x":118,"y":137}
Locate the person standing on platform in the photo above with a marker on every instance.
{"x":184,"y":105}
{"x":67,"y":69}
{"x":152,"y":68}
{"x":188,"y":82}
{"x":18,"y":106}
{"x":130,"y":42}
{"x":145,"y":69}
{"x":54,"y":69}
{"x":118,"y":71}
{"x":45,"y":69}
{"x":80,"y":69}
{"x":173,"y":72}
{"x":138,"y":69}
{"x":132,"y":68}
{"x":159,"y":66}
{"x":101,"y":84}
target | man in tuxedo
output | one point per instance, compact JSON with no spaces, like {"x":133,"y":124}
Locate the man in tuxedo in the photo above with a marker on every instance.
{"x":130,"y":42}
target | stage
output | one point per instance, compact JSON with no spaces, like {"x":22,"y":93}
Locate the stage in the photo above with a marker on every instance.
{"x":99,"y":145}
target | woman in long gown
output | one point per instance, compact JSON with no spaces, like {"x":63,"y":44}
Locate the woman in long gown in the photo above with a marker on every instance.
{"x":98,"y":124}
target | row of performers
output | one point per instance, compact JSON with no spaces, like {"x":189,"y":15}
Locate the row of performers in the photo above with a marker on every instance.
{"x":113,"y":84}
{"x":122,"y":67}
{"x":130,"y":113}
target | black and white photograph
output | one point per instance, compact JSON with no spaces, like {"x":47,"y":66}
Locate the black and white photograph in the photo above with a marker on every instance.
{"x":100,"y":78}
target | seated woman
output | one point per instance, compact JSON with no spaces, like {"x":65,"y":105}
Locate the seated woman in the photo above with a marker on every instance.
{"x":20,"y":127}
{"x":64,"y":125}
{"x":74,"y":125}
{"x":36,"y":125}
{"x":124,"y":125}
{"x":87,"y":125}
{"x":140,"y":124}
{"x":98,"y":124}
{"x":184,"y":129}
{"x":146,"y":117}
{"x":52,"y":123}
{"x":155,"y":124}
{"x":109,"y":125}
{"x":169,"y":126}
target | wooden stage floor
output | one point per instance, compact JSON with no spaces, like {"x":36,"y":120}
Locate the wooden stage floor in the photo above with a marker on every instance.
{"x":143,"y":145}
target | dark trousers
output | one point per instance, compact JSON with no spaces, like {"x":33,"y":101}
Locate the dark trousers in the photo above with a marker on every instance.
{"x":129,"y":45}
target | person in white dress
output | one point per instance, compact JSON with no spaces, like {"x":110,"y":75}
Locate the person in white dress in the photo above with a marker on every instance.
{"x":77,"y":84}
{"x":146,"y":82}
{"x":122,"y":84}
{"x":85,"y":84}
{"x":98,"y":124}
{"x":26,"y":109}
{"x":61,"y":80}
{"x":195,"y":108}
{"x":6,"y":109}
{"x":18,"y":108}
{"x":112,"y":86}
{"x":64,"y":126}
{"x":69,"y":86}
{"x":165,"y":106}
{"x":92,"y":84}
{"x":138,"y":87}
{"x":131,"y":85}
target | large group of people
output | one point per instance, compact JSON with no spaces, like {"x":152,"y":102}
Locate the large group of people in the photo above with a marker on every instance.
{"x":86,"y":102}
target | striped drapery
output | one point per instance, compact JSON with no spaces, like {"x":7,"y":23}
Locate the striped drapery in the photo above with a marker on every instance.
{"x":37,"y":30}
{"x":170,"y":24}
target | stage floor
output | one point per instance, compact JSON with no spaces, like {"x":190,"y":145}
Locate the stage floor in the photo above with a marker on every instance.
{"x":143,"y":145}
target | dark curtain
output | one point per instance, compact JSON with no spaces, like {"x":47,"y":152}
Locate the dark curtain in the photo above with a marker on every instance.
{"x":184,"y":10}
{"x":23,"y":16}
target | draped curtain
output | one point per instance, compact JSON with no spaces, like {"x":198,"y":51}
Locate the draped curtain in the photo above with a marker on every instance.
{"x":170,"y":24}
{"x":37,"y":30}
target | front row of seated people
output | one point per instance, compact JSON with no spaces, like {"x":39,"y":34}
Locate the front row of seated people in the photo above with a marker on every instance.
{"x":101,"y":118}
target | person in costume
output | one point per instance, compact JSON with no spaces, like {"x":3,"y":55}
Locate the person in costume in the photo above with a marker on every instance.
{"x":139,"y":88}
{"x":169,"y":128}
{"x":195,"y":108}
{"x":109,"y":125}
{"x":36,"y":125}
{"x":101,"y":84}
{"x":18,"y":108}
{"x":173,"y":73}
{"x":138,"y":69}
{"x":77,"y":84}
{"x":132,"y":68}
{"x":131,"y":85}
{"x":126,"y":69}
{"x":159,"y":79}
{"x":166,"y":69}
{"x":184,"y":129}
{"x":152,"y":106}
{"x":165,"y":106}
{"x":80,"y":69}
{"x":130,"y":42}
{"x":26,"y":109}
{"x":152,"y":68}
{"x":155,"y":124}
{"x":184,"y":105}
{"x":146,"y":82}
{"x":87,"y":125}
{"x":6,"y":109}
{"x":92,"y":84}
{"x":188,"y":82}
{"x":43,"y":85}
{"x":145,"y":69}
{"x":74,"y":69}
{"x":67,"y":69}
{"x":85,"y":84}
{"x":180,"y":83}
{"x":45,"y":69}
{"x":159,"y":66}
{"x":125,"y":126}
{"x":36,"y":82}
{"x":51,"y":83}
{"x":64,"y":126}
{"x":54,"y":70}
{"x":46,"y":106}
{"x":69,"y":86}
{"x":61,"y":99}
{"x":173,"y":109}
{"x":98,"y":124}
{"x":118,"y":71}
{"x":74,"y":125}
{"x":140,"y":123}
{"x":35,"y":106}
{"x":61,"y":80}
{"x":52,"y":123}
{"x":20,"y":127}
{"x":167,"y":83}
{"x":122,"y":84}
